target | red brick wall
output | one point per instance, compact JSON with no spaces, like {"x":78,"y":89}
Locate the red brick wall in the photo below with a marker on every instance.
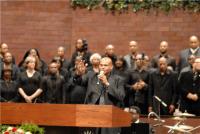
{"x":47,"y":24}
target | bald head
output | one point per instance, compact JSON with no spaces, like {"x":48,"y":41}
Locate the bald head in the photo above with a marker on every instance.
{"x":163,"y":47}
{"x":61,"y":51}
{"x":162,"y":59}
{"x":162,"y":63}
{"x":109,"y":50}
{"x":61,"y":48}
{"x":194,"y":42}
{"x":133,"y":43}
{"x":110,"y":46}
{"x":133,"y":47}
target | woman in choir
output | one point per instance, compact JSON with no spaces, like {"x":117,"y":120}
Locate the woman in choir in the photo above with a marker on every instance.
{"x":8,"y":87}
{"x":29,"y":82}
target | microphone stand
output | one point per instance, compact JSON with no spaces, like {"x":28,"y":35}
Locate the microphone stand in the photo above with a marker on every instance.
{"x":159,"y":109}
{"x":160,"y":102}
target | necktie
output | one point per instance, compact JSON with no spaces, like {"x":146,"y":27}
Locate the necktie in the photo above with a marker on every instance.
{"x":102,"y":96}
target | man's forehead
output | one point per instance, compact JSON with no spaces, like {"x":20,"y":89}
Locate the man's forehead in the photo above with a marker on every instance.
{"x":132,"y":43}
{"x":4,"y":45}
{"x":61,"y":49}
{"x":53,"y":65}
{"x":105,"y":61}
{"x":193,"y":38}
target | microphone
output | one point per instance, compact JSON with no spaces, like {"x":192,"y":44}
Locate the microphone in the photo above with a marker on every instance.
{"x":162,"y":102}
{"x":100,"y":73}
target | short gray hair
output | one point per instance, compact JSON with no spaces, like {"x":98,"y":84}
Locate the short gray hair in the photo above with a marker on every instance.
{"x":95,"y":55}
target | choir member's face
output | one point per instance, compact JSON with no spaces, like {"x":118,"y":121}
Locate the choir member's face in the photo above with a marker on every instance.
{"x":4,"y":48}
{"x":106,"y":65}
{"x":162,"y":63}
{"x":33,"y":53}
{"x":61,"y":52}
{"x":118,"y":63}
{"x":133,"y":46}
{"x":81,"y":67}
{"x":79,"y":44}
{"x":31,"y":63}
{"x":139,"y":61}
{"x":163,"y":47}
{"x":110,"y":50}
{"x":194,"y":42}
{"x":53,"y":68}
{"x":196,"y":65}
{"x":135,"y":115}
{"x":8,"y":57}
{"x":78,"y":60}
{"x":7,"y":74}
{"x":95,"y":61}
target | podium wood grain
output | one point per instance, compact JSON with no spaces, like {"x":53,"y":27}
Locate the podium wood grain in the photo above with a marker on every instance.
{"x":64,"y":115}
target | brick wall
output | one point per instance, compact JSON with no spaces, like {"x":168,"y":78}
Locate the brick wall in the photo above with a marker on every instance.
{"x":46,"y":24}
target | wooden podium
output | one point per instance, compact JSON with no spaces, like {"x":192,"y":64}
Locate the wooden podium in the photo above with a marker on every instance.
{"x":64,"y":115}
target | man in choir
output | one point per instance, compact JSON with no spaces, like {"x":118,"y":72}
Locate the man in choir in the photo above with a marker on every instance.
{"x":190,"y":89}
{"x":140,"y":88}
{"x":53,"y":85}
{"x":163,"y":85}
{"x":130,"y":58}
{"x":110,"y":52}
{"x":192,"y":50}
{"x":164,"y":53}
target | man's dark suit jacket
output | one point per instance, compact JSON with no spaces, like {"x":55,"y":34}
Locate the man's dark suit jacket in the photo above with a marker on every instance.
{"x":53,"y":89}
{"x":114,"y":93}
{"x":165,"y":87}
{"x":190,"y":83}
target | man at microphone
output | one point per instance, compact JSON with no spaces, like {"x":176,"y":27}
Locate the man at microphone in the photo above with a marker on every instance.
{"x":104,"y":88}
{"x":162,"y":89}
